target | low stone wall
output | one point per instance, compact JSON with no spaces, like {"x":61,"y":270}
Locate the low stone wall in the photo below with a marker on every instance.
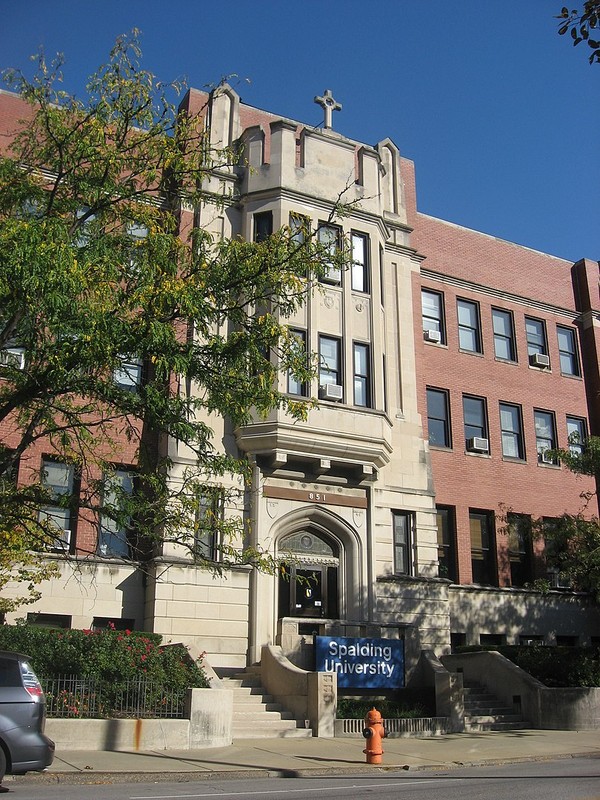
{"x":544,"y":707}
{"x":209,"y":717}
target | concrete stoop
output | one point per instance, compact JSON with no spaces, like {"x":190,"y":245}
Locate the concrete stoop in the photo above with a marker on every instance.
{"x":484,"y":712}
{"x":255,"y":713}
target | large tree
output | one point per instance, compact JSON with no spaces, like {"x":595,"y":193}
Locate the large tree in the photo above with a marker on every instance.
{"x":109,"y":312}
{"x":582,"y":25}
{"x":573,"y":540}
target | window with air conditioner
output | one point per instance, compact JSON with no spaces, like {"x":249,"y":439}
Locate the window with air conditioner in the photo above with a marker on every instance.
{"x":58,"y":478}
{"x":330,"y":368}
{"x":537,"y":342}
{"x":475,"y":422}
{"x":432,"y":313}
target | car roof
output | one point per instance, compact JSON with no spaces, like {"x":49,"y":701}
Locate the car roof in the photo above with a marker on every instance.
{"x":14,"y":656}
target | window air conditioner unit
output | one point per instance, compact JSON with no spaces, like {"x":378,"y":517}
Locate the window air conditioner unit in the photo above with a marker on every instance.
{"x":546,"y":457}
{"x":331,"y":391}
{"x":478,"y":444}
{"x":62,"y":543}
{"x":539,"y":360}
{"x":12,"y":357}
{"x":332,"y":275}
{"x":432,"y":335}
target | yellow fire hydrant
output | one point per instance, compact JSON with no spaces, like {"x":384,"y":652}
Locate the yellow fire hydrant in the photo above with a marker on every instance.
{"x":374,"y":733}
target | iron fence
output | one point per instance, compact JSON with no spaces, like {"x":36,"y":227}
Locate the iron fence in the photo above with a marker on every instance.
{"x":77,"y":697}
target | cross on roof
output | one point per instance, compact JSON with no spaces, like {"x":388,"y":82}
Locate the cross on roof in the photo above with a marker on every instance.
{"x":329,"y":105}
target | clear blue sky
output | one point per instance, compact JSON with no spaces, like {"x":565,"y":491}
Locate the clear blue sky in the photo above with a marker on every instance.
{"x":499,"y":113}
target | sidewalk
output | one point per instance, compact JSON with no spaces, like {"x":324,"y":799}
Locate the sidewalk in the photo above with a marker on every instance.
{"x":247,"y":758}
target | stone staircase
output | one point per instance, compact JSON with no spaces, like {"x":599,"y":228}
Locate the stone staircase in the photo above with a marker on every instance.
{"x":256,"y":715}
{"x":484,"y":712}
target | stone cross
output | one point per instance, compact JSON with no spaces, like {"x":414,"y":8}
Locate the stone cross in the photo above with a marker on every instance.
{"x":329,"y":105}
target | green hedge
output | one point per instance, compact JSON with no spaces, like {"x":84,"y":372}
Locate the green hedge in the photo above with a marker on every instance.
{"x":553,"y":666}
{"x":108,"y":654}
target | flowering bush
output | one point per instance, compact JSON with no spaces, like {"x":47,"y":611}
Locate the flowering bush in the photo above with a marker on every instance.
{"x":109,"y":654}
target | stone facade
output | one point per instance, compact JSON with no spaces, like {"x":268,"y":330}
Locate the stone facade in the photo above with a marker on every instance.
{"x":354,"y":492}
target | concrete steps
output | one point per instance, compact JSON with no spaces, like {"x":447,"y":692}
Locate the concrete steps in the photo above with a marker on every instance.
{"x":484,"y":712}
{"x":256,"y":715}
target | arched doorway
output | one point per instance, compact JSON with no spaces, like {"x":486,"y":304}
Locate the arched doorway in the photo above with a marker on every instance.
{"x":308,"y":579}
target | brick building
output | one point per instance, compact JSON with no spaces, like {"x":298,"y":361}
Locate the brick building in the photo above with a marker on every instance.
{"x":450,"y":362}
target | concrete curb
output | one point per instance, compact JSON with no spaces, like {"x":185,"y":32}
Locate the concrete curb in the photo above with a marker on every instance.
{"x":90,"y":777}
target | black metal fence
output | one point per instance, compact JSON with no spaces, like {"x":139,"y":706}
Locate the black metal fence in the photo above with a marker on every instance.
{"x":77,"y":697}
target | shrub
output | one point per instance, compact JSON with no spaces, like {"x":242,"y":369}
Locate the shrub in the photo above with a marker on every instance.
{"x":111,"y":655}
{"x":553,"y":666}
{"x":357,"y":708}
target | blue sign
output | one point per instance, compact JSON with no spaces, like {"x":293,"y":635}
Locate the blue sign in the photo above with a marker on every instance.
{"x":362,"y":663}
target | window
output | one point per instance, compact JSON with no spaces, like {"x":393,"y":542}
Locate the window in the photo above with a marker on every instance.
{"x":12,"y":357}
{"x":360,"y":262}
{"x":432,"y":308}
{"x":492,"y":639}
{"x":128,"y":376}
{"x":511,"y":427}
{"x":55,"y":621}
{"x":381,"y":275}
{"x":438,"y":417}
{"x":112,"y":623}
{"x":520,"y":554}
{"x":475,"y":420}
{"x":576,"y":431}
{"x":330,"y":366}
{"x":446,"y":543}
{"x":299,"y":227}
{"x":362,"y":375}
{"x":537,"y":345}
{"x":294,"y":386}
{"x":208,"y":518}
{"x":402,"y":523}
{"x":59,"y":479}
{"x":329,"y":237}
{"x":483,"y":557}
{"x":531,"y":639}
{"x":263,"y":226}
{"x":504,"y":335}
{"x":545,"y":435}
{"x":567,"y":348}
{"x":114,"y":530}
{"x":137,"y":232}
{"x":469,"y":331}
{"x":85,"y":220}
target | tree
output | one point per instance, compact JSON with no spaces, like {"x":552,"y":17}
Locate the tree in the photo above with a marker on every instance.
{"x":573,"y":540}
{"x":109,"y":311}
{"x":580,"y":25}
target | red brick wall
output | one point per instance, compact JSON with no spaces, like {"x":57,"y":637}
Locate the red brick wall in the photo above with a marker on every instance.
{"x":464,"y":480}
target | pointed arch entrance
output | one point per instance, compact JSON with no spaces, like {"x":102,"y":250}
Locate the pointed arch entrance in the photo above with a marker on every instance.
{"x":309,"y":576}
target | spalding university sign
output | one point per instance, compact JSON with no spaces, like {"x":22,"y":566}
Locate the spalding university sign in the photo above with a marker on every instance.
{"x":362,"y":663}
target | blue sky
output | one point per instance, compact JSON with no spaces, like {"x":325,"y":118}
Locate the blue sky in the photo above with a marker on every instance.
{"x":499,"y":113}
